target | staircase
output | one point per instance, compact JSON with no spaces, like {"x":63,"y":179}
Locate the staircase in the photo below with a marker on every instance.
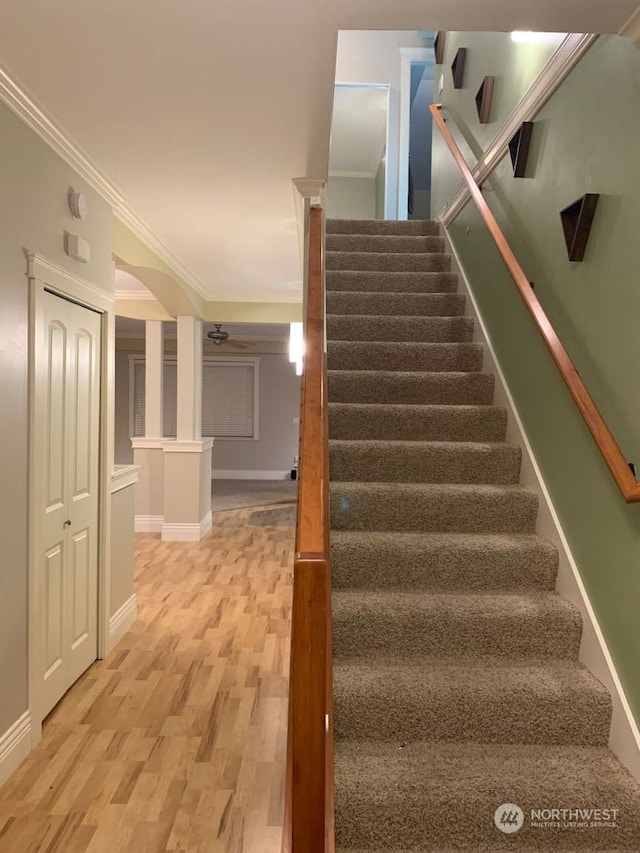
{"x":456,"y":675}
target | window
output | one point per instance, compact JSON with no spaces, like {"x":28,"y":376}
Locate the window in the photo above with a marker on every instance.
{"x":229,"y":397}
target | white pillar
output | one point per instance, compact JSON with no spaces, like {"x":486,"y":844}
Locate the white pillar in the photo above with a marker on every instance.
{"x":153,"y":366}
{"x":187,"y":460}
{"x":189,"y":422}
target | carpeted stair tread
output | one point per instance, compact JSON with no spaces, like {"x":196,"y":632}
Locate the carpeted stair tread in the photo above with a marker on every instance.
{"x":383,"y":243}
{"x":346,"y":302}
{"x":415,"y":227}
{"x":364,"y":327}
{"x":444,"y":508}
{"x":391,"y":623}
{"x":370,"y":281}
{"x":389,"y":262}
{"x":432,"y":796}
{"x":424,"y":461}
{"x":371,"y":355}
{"x":486,"y":700}
{"x":410,"y":387}
{"x":457,"y":685}
{"x":416,"y":422}
{"x":439,"y":562}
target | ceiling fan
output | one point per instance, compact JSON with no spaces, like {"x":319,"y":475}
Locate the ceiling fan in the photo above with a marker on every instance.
{"x":219,"y":337}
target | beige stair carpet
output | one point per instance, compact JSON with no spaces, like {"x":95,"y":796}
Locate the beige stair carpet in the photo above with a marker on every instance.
{"x":456,"y":675}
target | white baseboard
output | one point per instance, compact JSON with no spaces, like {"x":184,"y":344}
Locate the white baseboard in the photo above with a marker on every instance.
{"x":624,"y":738}
{"x":15,"y":746}
{"x":217,"y":474}
{"x":148,"y":523}
{"x":121,"y":621}
{"x":187,"y":532}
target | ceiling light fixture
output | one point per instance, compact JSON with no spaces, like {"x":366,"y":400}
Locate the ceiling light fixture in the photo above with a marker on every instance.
{"x":218,"y":336}
{"x":532,"y":37}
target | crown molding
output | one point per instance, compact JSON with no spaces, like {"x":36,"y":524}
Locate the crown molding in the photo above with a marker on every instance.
{"x":36,"y":118}
{"x":631,"y":28}
{"x":156,"y":244}
{"x":337,"y":173}
{"x":25,"y":107}
{"x":563,"y":60}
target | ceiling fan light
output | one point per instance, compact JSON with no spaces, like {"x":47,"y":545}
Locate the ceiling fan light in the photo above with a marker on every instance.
{"x":218,"y":336}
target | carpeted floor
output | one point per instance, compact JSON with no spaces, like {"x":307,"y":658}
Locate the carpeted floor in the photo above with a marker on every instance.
{"x":456,"y":676}
{"x":241,"y":494}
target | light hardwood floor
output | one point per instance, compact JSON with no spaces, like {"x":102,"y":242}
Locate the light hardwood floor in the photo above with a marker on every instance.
{"x":177,"y":741}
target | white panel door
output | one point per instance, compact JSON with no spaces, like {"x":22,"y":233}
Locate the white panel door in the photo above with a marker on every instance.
{"x":67,"y":452}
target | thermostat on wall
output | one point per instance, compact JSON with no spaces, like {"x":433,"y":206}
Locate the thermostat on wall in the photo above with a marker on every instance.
{"x":77,"y":248}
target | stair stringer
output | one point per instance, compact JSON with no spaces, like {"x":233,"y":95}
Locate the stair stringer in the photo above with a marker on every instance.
{"x":624,"y":737}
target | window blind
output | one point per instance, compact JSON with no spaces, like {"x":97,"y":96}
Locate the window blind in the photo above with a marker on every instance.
{"x":228,"y":399}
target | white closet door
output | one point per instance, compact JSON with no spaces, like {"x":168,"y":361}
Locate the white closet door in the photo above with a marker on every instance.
{"x":67,"y":453}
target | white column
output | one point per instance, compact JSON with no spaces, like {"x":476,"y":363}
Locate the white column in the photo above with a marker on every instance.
{"x":189,"y":423}
{"x":187,"y":460}
{"x":153,"y":365}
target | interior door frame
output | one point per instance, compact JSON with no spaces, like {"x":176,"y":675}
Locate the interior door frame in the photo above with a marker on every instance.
{"x":46,"y":276}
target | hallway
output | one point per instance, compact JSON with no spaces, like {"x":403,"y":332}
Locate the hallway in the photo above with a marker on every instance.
{"x":177,"y":741}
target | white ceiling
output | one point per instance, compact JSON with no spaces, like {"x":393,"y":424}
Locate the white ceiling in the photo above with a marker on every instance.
{"x":202,"y":111}
{"x":358,"y":129}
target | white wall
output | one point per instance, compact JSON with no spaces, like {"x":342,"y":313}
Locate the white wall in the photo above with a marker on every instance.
{"x":351,"y":198}
{"x":370,"y":56}
{"x":33,"y":216}
{"x":278,"y":442}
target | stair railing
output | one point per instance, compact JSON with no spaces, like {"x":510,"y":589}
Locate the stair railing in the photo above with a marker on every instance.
{"x":602,"y":435}
{"x":309,"y":815}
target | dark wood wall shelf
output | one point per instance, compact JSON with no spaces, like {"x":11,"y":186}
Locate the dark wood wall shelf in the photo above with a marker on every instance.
{"x":438,"y":46}
{"x":483,"y":99}
{"x":577,"y":220}
{"x":519,"y":148}
{"x":457,"y":67}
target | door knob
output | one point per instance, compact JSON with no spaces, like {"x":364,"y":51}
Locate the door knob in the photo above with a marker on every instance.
{"x":67,"y":523}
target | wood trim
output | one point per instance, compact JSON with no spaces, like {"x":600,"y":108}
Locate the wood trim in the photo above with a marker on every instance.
{"x":596,"y":424}
{"x":309,"y":818}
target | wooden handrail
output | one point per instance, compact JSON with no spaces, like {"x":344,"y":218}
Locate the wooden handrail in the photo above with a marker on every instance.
{"x":308,"y":824}
{"x":596,"y":424}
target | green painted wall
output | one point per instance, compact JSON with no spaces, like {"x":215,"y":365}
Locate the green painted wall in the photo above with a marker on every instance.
{"x":515,"y":67}
{"x":585,"y":140}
